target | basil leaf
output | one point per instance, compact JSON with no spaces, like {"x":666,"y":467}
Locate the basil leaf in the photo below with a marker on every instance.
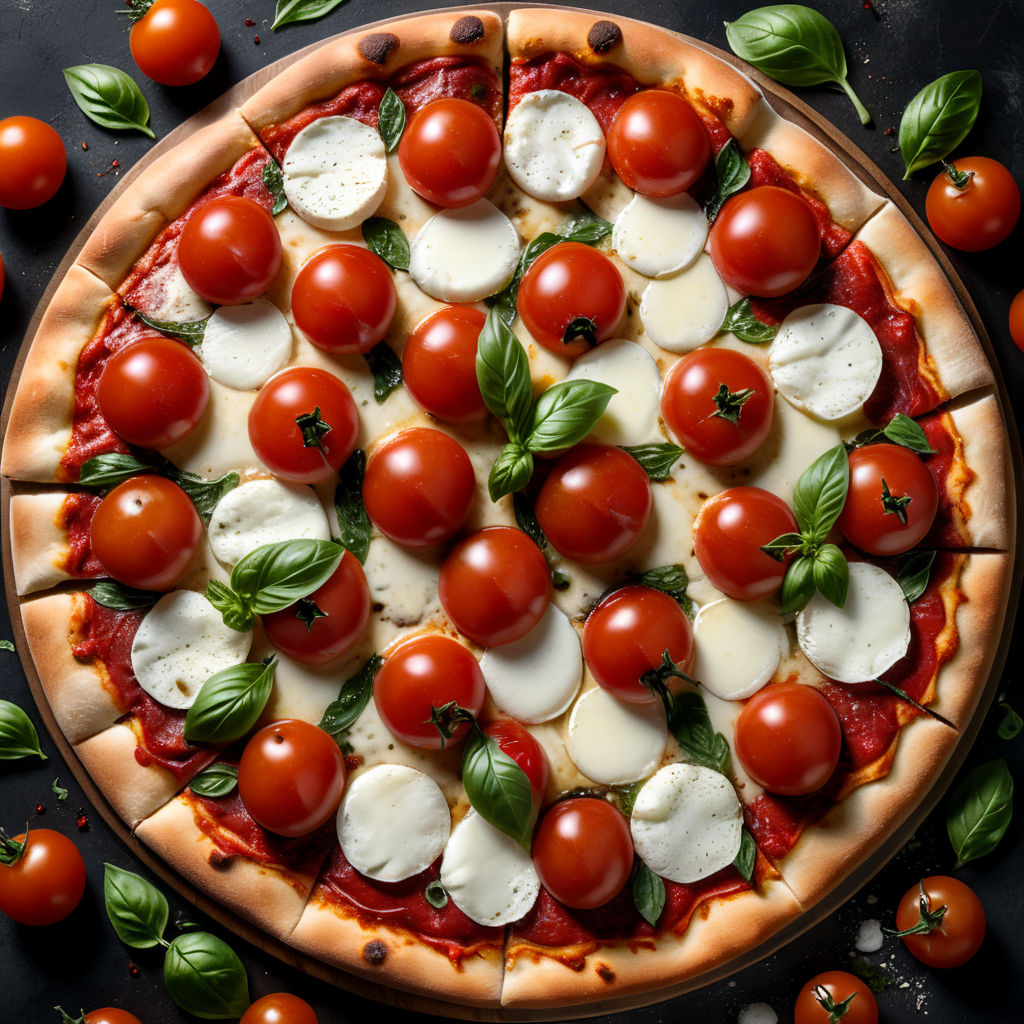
{"x":436,"y":894}
{"x":783,"y":545}
{"x":979,"y":811}
{"x":794,"y":45}
{"x":526,"y":519}
{"x":511,"y":471}
{"x":218,"y":780}
{"x":505,"y":300}
{"x":386,"y":369}
{"x":342,"y":713}
{"x":503,"y":373}
{"x":648,"y":894}
{"x":691,"y":725}
{"x":277,"y":575}
{"x":746,"y":858}
{"x":233,"y":610}
{"x":189,"y":331}
{"x":137,"y":910}
{"x":205,"y":977}
{"x":112,"y":594}
{"x":914,"y":573}
{"x":566,"y":412}
{"x":797,"y":584}
{"x":497,"y":787}
{"x":388,"y":241}
{"x":938,"y":119}
{"x":831,"y":574}
{"x":820,"y":493}
{"x":290,"y":11}
{"x":391,"y":122}
{"x":6,"y":645}
{"x":205,"y":494}
{"x":656,"y":459}
{"x":732,"y":173}
{"x":353,"y":521}
{"x":904,"y":431}
{"x":109,"y":97}
{"x":671,"y":580}
{"x":111,"y":470}
{"x":1011,"y":724}
{"x":58,"y":790}
{"x":274,"y":180}
{"x":18,"y":736}
{"x":229,"y":703}
{"x":740,"y":320}
{"x":584,"y":226}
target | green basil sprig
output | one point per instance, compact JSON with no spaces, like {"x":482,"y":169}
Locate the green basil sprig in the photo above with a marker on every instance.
{"x":386,"y":368}
{"x":353,"y":520}
{"x":732,"y":172}
{"x":938,"y":119}
{"x":109,"y":97}
{"x":391,"y":122}
{"x":230,"y":702}
{"x":740,"y":320}
{"x":913,"y":574}
{"x":746,"y":858}
{"x":979,"y":811}
{"x":657,"y":460}
{"x":216,"y":781}
{"x":342,"y":714}
{"x":648,"y":894}
{"x":795,"y":45}
{"x":388,"y":241}
{"x":691,"y":725}
{"x":901,"y":430}
{"x":18,"y":736}
{"x":189,"y":331}
{"x":121,"y":598}
{"x":289,"y":11}
{"x":274,"y":180}
{"x":1011,"y":725}
{"x":58,"y":790}
{"x":6,"y":645}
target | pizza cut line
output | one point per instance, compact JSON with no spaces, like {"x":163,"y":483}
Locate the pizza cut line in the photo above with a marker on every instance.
{"x":468,"y":920}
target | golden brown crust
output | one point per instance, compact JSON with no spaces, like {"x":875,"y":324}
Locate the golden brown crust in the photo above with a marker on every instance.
{"x":39,"y":542}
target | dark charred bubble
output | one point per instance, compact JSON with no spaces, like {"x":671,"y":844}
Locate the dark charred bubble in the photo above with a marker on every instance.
{"x":469,"y":29}
{"x":603,"y":35}
{"x":377,"y":46}
{"x":375,"y":952}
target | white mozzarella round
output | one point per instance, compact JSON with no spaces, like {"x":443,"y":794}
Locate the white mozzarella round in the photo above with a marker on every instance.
{"x":335,"y":173}
{"x":632,"y":413}
{"x":687,"y":822}
{"x":657,"y":237}
{"x":180,"y":643}
{"x":613,"y":741}
{"x":738,"y":647}
{"x":863,"y":639}
{"x":554,"y":147}
{"x":487,"y":874}
{"x":393,"y":822}
{"x":682,"y":312}
{"x":244,"y":346}
{"x":466,"y":254}
{"x":535,"y":679}
{"x":826,"y":360}
{"x":265,"y":512}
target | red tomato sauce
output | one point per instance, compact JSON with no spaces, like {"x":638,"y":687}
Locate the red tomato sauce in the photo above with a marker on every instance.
{"x":952,"y":476}
{"x":75,"y":518}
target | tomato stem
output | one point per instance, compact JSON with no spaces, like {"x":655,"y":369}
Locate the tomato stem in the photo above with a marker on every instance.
{"x":926,"y":923}
{"x":960,"y":179}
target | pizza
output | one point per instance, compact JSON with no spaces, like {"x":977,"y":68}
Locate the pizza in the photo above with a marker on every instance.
{"x":520,"y":419}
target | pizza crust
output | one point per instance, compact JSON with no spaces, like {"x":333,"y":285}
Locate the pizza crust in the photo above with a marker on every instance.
{"x":39,"y":542}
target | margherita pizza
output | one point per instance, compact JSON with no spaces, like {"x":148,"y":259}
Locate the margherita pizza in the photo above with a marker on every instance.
{"x":522,"y":547}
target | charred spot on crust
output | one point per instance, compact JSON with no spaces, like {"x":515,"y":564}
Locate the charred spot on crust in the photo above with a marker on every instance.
{"x":377,"y":46}
{"x":375,"y":952}
{"x":605,"y":973}
{"x":469,"y":29}
{"x":603,"y":35}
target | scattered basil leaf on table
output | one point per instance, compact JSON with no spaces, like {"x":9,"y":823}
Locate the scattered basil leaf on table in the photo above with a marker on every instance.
{"x":353,"y":520}
{"x":274,"y":180}
{"x":121,"y":598}
{"x":913,"y":574}
{"x":189,"y":331}
{"x":657,"y":460}
{"x":137,"y":910}
{"x":109,"y":97}
{"x":341,"y":714}
{"x":979,"y":811}
{"x":732,"y":172}
{"x":290,"y":11}
{"x":938,"y":119}
{"x":230,"y":702}
{"x":386,"y":368}
{"x":18,"y":736}
{"x":740,"y":320}
{"x":385,"y":238}
{"x":58,"y":790}
{"x":391,"y":122}
{"x":648,"y":894}
{"x":205,"y":977}
{"x":216,"y":781}
{"x":746,"y":858}
{"x":1011,"y":724}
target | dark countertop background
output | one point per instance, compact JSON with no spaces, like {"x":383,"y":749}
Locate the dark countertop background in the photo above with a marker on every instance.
{"x":894,"y":47}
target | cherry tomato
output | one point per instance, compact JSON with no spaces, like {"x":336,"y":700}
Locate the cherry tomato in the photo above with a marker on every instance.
{"x":495,"y":586}
{"x":450,"y":152}
{"x":153,"y":392}
{"x":626,"y":636}
{"x":728,"y":534}
{"x":888,"y":484}
{"x":145,"y":532}
{"x":833,"y":987}
{"x":439,"y":364}
{"x":718,"y":428}
{"x":521,"y":746}
{"x":788,"y":739}
{"x":291,"y":777}
{"x":595,"y":503}
{"x":1016,"y":315}
{"x":423,"y":673}
{"x":572,"y":298}
{"x":960,"y":930}
{"x":32,"y":162}
{"x":279,"y":1008}
{"x":583,"y":852}
{"x":765,"y":241}
{"x":657,"y":144}
{"x":419,"y":487}
{"x":230,"y":250}
{"x":175,"y":42}
{"x":344,"y":299}
{"x":312,"y":450}
{"x":47,"y":881}
{"x":315,"y":635}
{"x":979,"y":215}
{"x":110,"y":1015}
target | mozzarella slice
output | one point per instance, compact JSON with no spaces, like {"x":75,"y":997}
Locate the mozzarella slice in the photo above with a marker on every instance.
{"x":863,"y":639}
{"x":687,"y":822}
{"x":614,"y":742}
{"x":466,"y":254}
{"x":632,"y":414}
{"x":682,"y":312}
{"x":335,"y":173}
{"x":403,"y":581}
{"x":738,"y":647}
{"x":826,"y":360}
{"x":536,"y":678}
{"x":264,"y":512}
{"x":180,"y":643}
{"x":244,"y":346}
{"x":488,"y":875}
{"x":657,"y":237}
{"x":393,"y":823}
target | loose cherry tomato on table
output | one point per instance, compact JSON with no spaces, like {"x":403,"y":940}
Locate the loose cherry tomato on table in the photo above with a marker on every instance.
{"x":145,"y":532}
{"x":765,"y":242}
{"x":230,"y":250}
{"x":950,"y":919}
{"x":279,"y":1008}
{"x":303,"y":424}
{"x":174,"y":42}
{"x":344,"y":299}
{"x":977,"y":210}
{"x":1016,"y":320}
{"x":788,"y":739}
{"x":107,"y":1015}
{"x":657,"y":143}
{"x":291,"y":777}
{"x":32,"y":162}
{"x":572,"y":298}
{"x":42,"y":878}
{"x":823,"y":999}
{"x":520,"y":745}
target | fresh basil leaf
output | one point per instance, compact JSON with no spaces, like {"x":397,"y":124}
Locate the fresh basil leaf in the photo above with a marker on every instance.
{"x":205,"y":977}
{"x":671,"y":580}
{"x":511,"y":471}
{"x":794,"y":45}
{"x":6,"y":645}
{"x":112,"y":594}
{"x":391,"y":122}
{"x":979,"y":811}
{"x":648,"y":894}
{"x":290,"y":11}
{"x":797,"y":584}
{"x":732,"y":172}
{"x":938,"y":119}
{"x":503,"y":373}
{"x":388,"y":241}
{"x":504,"y":302}
{"x":497,"y":787}
{"x":820,"y":493}
{"x":229,"y":703}
{"x":584,"y":226}
{"x":783,"y":545}
{"x":109,"y":97}
{"x":386,"y":368}
{"x":1011,"y":724}
{"x":112,"y":469}
{"x":343,"y":713}
{"x":831,"y":574}
{"x":747,"y":856}
{"x":904,"y":431}
{"x":656,"y":459}
{"x":277,"y":575}
{"x":217,"y":780}
{"x":274,"y":180}
{"x":566,"y":412}
{"x":691,"y":725}
{"x":740,"y":321}
{"x":18,"y":736}
{"x":526,"y":519}
{"x":353,"y":520}
{"x":205,"y":494}
{"x":137,"y":910}
{"x":234,"y":611}
{"x":189,"y":331}
{"x":914,"y":573}
{"x":436,"y":894}
{"x":58,"y":790}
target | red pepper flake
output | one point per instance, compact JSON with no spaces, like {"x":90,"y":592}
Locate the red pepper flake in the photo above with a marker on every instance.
{"x":115,"y":164}
{"x":40,"y":809}
{"x":85,"y":145}
{"x":133,"y":969}
{"x":83,"y":822}
{"x":890,"y":131}
{"x":256,"y":40}
{"x":249,"y":23}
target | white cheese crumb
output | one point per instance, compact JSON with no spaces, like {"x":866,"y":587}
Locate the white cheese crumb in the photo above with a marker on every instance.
{"x":758,"y":1013}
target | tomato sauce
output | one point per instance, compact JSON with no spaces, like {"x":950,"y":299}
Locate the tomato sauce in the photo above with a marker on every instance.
{"x":75,"y":518}
{"x":952,"y":476}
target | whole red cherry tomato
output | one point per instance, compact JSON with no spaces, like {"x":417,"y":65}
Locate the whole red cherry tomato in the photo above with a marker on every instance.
{"x":980,"y":212}
{"x":279,"y":1008}
{"x":948,"y":937}
{"x":822,"y":999}
{"x":107,"y":1015}
{"x":32,"y":162}
{"x":1017,"y":320}
{"x":520,"y":745}
{"x":174,"y":42}
{"x":46,"y":881}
